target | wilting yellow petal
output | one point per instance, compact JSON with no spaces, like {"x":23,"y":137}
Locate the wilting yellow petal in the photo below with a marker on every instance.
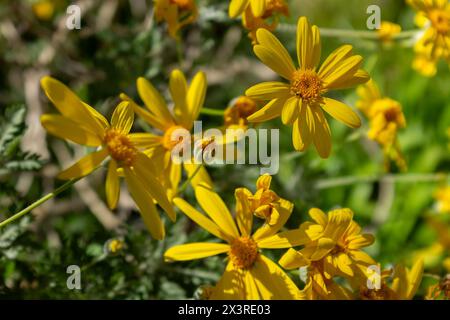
{"x":144,"y":202}
{"x":123,"y":117}
{"x":214,"y":206}
{"x":84,"y":166}
{"x":196,"y":97}
{"x":273,"y":54}
{"x":269,"y":90}
{"x":244,"y":215}
{"x":270,"y":111}
{"x":284,"y":239}
{"x":290,"y":111}
{"x":272,"y":282}
{"x":72,"y":107}
{"x":293,"y":259}
{"x":112,"y":185}
{"x":237,"y":7}
{"x":201,"y":219}
{"x":154,"y":101}
{"x":64,"y":128}
{"x":193,"y":251}
{"x":341,"y":112}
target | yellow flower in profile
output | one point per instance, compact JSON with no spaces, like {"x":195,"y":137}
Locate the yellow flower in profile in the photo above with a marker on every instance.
{"x":268,"y":20}
{"x":434,"y":44}
{"x":333,"y":249}
{"x":385,"y":119}
{"x":237,"y":7}
{"x":82,"y":124}
{"x":442,"y":196}
{"x":188,"y":100}
{"x":235,"y":116}
{"x":301,"y":102}
{"x":403,"y":284}
{"x":248,"y":274}
{"x":176,"y":13}
{"x":388,"y":30}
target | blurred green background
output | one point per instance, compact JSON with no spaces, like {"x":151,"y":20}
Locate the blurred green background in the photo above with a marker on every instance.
{"x":118,"y":42}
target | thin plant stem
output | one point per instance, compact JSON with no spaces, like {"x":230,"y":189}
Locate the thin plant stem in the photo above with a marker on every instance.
{"x":179,"y":46}
{"x":212,"y":112}
{"x":189,"y":179}
{"x":37,"y":203}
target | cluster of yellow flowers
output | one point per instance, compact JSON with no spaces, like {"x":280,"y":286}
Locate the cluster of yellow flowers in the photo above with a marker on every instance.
{"x":327,"y":251}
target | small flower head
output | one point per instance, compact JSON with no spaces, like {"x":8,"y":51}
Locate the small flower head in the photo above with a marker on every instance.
{"x":235,"y":116}
{"x":387,"y":31}
{"x":176,"y":13}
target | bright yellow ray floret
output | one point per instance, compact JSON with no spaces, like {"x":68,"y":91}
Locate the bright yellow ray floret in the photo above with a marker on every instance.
{"x":82,"y":124}
{"x":237,"y":7}
{"x":248,"y":274}
{"x":301,"y":102}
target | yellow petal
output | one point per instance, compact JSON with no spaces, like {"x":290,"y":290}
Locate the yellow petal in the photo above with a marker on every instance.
{"x":84,"y":166}
{"x":293,"y":259}
{"x":360,"y":241}
{"x":302,"y":134}
{"x":273,"y":54}
{"x":154,"y":101}
{"x":72,"y":107}
{"x":196,"y":97}
{"x":344,"y":264}
{"x":272,"y":282}
{"x":178,"y":91}
{"x":251,"y":291}
{"x":284,"y":239}
{"x":149,"y":117}
{"x":268,"y":90}
{"x":305,"y":49}
{"x":270,"y":111}
{"x":194,"y":251}
{"x":258,"y":7}
{"x":414,"y":279}
{"x":284,"y":209}
{"x":143,"y":167}
{"x":237,"y":7}
{"x":290,"y":111}
{"x":342,"y":72}
{"x":317,"y":46}
{"x":322,"y":135}
{"x":318,"y":216}
{"x":214,"y":206}
{"x":174,"y":177}
{"x":123,"y":117}
{"x":324,"y":246}
{"x":145,"y":140}
{"x":244,"y":215}
{"x":144,"y":202}
{"x":334,"y":59}
{"x":201,"y":219}
{"x":231,"y":286}
{"x":357,"y":78}
{"x":112,"y":185}
{"x":64,"y":128}
{"x":201,"y":177}
{"x":341,"y":112}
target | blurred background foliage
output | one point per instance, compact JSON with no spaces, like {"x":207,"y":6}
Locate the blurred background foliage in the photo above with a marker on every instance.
{"x":118,"y":42}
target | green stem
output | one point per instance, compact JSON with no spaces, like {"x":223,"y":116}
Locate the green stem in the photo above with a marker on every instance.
{"x":212,"y":112}
{"x":37,"y":203}
{"x":189,"y":179}
{"x":180,"y":52}
{"x":366,"y":34}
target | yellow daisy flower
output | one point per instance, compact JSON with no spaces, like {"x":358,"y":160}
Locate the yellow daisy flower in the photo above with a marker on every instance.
{"x":268,"y":19}
{"x":301,"y":101}
{"x":434,"y":17}
{"x":385,"y":119}
{"x":82,"y":124}
{"x":188,"y":100}
{"x":403,"y":285}
{"x":176,"y":13}
{"x":248,"y":273}
{"x":334,"y":249}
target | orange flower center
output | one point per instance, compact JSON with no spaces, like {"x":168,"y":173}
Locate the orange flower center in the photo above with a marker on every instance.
{"x":243,"y":252}
{"x":440,"y":20}
{"x":182,"y":4}
{"x":171,"y":138}
{"x":120,"y":147}
{"x":306,"y":84}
